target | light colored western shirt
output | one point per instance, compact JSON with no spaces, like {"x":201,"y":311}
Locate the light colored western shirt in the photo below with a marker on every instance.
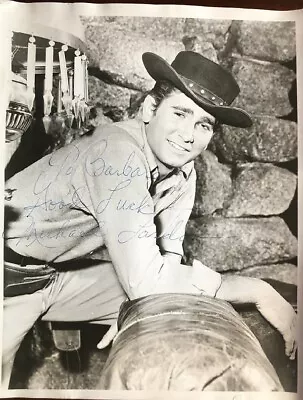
{"x":103,"y":192}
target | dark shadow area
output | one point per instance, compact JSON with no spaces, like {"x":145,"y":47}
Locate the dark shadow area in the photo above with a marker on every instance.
{"x":36,"y":345}
{"x":32,"y":147}
{"x":290,"y":216}
{"x":39,"y":345}
{"x":292,"y":95}
{"x":34,"y":142}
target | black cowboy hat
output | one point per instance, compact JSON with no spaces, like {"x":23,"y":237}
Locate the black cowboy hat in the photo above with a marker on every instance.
{"x":208,"y":84}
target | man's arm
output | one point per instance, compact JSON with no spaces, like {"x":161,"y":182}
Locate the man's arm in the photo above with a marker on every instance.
{"x":242,"y":290}
{"x":274,"y":308}
{"x":116,"y":178}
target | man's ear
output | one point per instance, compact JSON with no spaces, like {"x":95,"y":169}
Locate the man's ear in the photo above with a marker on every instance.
{"x":148,"y":108}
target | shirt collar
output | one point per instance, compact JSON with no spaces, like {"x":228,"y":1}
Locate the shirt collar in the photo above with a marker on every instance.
{"x":149,"y":154}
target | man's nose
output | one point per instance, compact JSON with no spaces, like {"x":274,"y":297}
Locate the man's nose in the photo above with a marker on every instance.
{"x":187,"y":134}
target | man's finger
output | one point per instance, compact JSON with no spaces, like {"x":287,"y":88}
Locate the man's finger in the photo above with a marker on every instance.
{"x":292,"y":353}
{"x":290,"y":339}
{"x":289,"y":345}
{"x":108,"y":337}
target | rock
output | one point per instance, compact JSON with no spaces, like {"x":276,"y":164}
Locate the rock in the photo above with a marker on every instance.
{"x":273,"y":41}
{"x":208,"y":29}
{"x":264,"y":87}
{"x":193,"y":43}
{"x":160,"y":27}
{"x":236,"y":243}
{"x":112,"y":98}
{"x":118,"y":55}
{"x":213,"y":184}
{"x":166,"y":28}
{"x":98,"y":118}
{"x":269,"y":139}
{"x":211,"y":37}
{"x":287,"y":273}
{"x":261,"y":189}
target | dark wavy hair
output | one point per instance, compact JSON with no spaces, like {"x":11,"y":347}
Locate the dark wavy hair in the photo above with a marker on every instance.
{"x":164,"y":89}
{"x":161,"y":91}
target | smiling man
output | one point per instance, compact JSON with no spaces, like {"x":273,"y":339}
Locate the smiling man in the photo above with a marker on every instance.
{"x":178,"y":132}
{"x":127,"y":190}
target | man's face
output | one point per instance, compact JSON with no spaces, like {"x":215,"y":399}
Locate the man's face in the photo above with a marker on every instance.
{"x":178,"y":131}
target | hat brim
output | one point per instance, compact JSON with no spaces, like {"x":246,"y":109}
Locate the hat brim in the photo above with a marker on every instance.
{"x":160,"y":69}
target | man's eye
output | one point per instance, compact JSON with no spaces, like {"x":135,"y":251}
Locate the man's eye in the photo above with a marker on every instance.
{"x":179,"y":114}
{"x":206,"y":127}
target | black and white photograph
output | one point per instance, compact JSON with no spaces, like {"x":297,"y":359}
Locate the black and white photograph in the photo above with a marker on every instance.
{"x":150,"y":231}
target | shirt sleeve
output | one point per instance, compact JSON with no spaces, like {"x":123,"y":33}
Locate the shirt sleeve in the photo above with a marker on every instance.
{"x":173,"y":219}
{"x":116,"y":176}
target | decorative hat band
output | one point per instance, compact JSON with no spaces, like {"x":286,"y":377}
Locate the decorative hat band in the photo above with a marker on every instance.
{"x":203,"y":92}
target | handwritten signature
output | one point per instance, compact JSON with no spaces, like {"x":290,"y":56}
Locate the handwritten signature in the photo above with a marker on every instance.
{"x":61,"y":171}
{"x":147,"y":231}
{"x":66,"y":231}
{"x":95,"y":166}
{"x":58,"y":167}
{"x":98,"y":165}
{"x":116,"y":197}
{"x":48,"y":204}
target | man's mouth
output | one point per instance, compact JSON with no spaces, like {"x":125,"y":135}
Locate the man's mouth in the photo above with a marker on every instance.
{"x":177,"y":146}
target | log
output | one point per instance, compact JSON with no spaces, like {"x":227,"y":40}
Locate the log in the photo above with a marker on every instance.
{"x":185,"y":342}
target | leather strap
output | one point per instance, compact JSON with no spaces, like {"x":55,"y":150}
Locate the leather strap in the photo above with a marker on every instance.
{"x":15,"y":258}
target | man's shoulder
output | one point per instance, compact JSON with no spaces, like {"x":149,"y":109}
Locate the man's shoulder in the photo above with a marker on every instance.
{"x":123,"y":132}
{"x":115,"y":142}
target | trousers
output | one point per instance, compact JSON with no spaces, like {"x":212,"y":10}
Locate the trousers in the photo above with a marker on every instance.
{"x":91,"y":294}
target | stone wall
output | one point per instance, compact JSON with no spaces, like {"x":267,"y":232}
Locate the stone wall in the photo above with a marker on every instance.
{"x":247,"y":179}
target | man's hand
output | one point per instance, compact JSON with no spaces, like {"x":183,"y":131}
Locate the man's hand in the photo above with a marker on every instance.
{"x":273,"y":307}
{"x":282,"y":316}
{"x":108,"y":337}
